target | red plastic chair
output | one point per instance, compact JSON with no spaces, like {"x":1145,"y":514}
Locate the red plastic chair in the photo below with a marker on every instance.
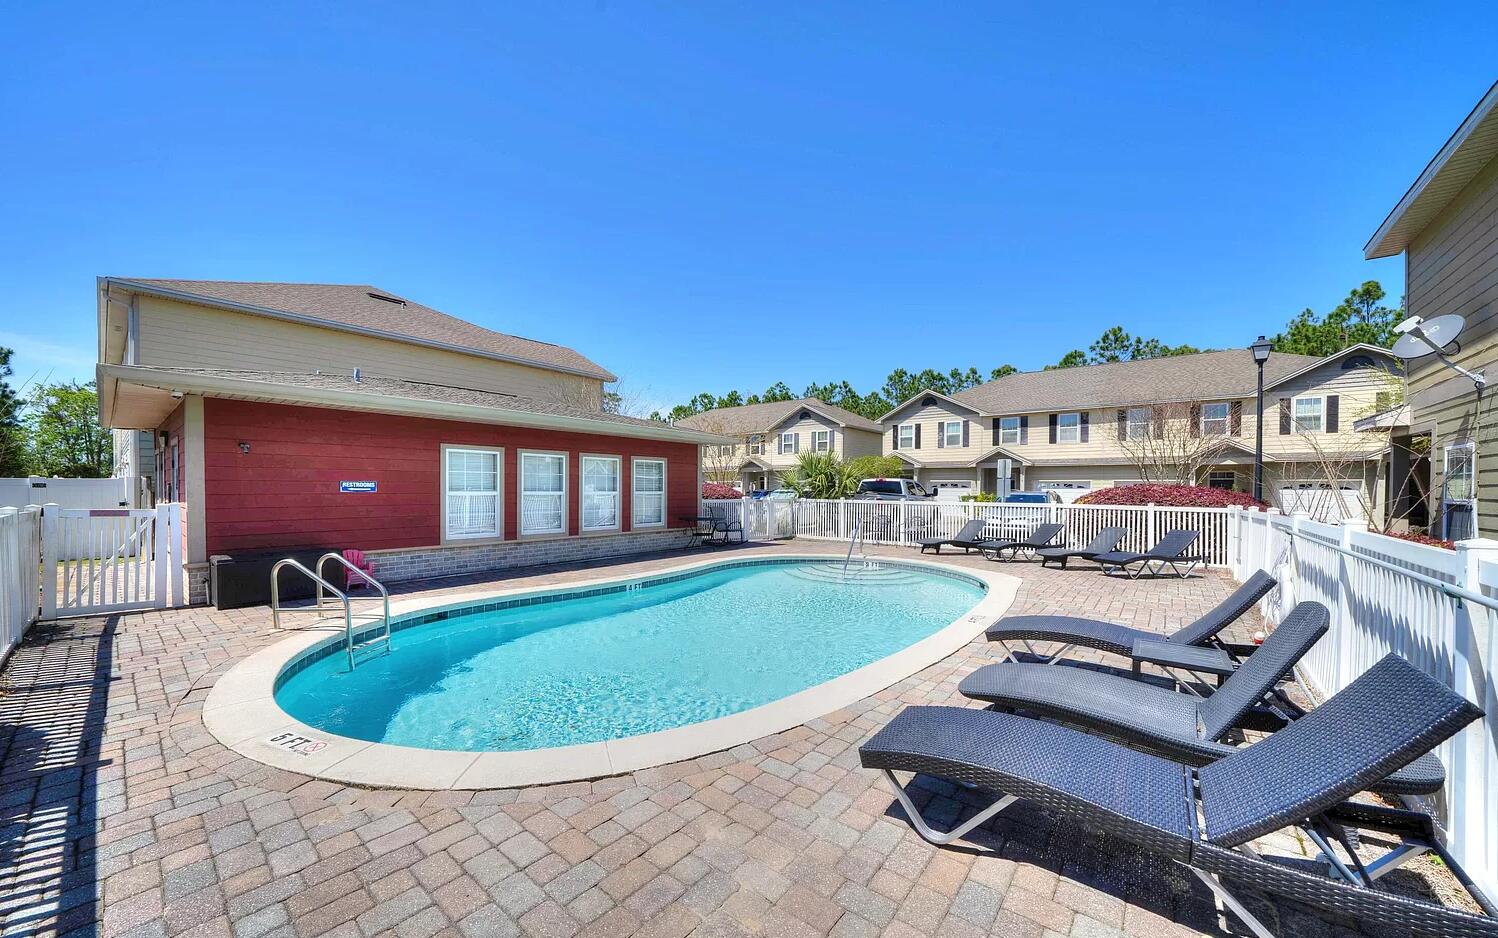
{"x":357,"y":558}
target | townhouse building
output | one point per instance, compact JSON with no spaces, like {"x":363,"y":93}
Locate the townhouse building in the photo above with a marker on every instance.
{"x":769,"y":437}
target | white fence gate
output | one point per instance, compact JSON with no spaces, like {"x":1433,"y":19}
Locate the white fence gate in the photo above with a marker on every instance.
{"x":1436,"y":608}
{"x":20,"y":573}
{"x":98,"y":560}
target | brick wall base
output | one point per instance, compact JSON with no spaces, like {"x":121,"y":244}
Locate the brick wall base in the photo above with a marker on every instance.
{"x":397,"y":566}
{"x":197,"y":585}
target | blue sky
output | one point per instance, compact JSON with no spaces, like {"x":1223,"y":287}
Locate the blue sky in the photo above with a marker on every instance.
{"x":710,"y":196}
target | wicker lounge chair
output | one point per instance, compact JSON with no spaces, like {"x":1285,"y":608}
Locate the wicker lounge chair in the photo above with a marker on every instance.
{"x":1120,"y":639}
{"x":1042,"y":535}
{"x":1169,"y":552}
{"x":1205,"y":819}
{"x":1107,"y":539}
{"x":969,"y":538}
{"x":1180,"y":726}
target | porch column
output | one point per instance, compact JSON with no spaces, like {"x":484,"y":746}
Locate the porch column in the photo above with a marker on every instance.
{"x":193,"y":479}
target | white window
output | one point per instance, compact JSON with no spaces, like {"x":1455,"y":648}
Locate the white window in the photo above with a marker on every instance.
{"x":1069,"y":428}
{"x":470,"y":505}
{"x":1009,"y":430}
{"x":648,"y":488}
{"x":1310,"y":414}
{"x":1460,"y":472}
{"x":1215,"y":420}
{"x":543,"y":493}
{"x":906,"y":435}
{"x":600,"y":493}
{"x":1137,"y":423}
{"x":787,"y":444}
{"x":821,"y":440}
{"x":951,"y":433}
{"x":757,"y":444}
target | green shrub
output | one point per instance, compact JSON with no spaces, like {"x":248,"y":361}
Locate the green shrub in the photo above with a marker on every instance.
{"x":820,"y":475}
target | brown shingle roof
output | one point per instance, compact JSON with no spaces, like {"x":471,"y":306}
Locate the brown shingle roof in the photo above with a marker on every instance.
{"x":353,"y":306}
{"x":1204,"y":376}
{"x":757,"y":418}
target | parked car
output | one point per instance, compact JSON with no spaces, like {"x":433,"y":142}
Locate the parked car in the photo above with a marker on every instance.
{"x":777,"y":494}
{"x":1032,"y":498}
{"x":890,"y":490}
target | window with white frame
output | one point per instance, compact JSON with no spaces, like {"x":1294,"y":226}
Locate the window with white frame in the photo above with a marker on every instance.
{"x":1460,"y":472}
{"x":543,"y":493}
{"x":1069,"y":428}
{"x":648,"y":492}
{"x":600,"y":493}
{"x":756,"y":444}
{"x":1215,"y":419}
{"x":1009,"y":430}
{"x":787,"y":444}
{"x":821,"y":440}
{"x":470,"y":502}
{"x":951,"y":433}
{"x":906,"y":435}
{"x":1310,"y":414}
{"x":1137,"y":424}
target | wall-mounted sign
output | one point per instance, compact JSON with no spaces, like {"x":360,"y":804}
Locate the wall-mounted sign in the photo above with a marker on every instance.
{"x":359,"y":486}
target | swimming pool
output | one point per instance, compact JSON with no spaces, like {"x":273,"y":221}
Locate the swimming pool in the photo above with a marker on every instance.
{"x":618,"y":661}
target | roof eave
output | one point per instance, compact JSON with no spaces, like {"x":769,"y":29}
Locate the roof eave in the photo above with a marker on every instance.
{"x":600,"y":374}
{"x":211,"y":385}
{"x":1305,"y":369}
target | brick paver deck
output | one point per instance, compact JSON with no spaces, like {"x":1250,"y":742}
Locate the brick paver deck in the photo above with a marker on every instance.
{"x":122,"y":816}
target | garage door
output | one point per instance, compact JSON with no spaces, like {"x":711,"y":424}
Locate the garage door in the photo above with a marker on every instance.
{"x":1323,"y":501}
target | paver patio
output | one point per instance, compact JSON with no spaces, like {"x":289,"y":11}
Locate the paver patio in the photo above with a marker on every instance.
{"x":122,"y":816}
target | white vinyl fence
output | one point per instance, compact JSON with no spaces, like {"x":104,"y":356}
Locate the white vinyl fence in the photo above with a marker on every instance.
{"x":20,"y":573}
{"x":69,"y":493}
{"x":908,"y":523}
{"x":98,"y":560}
{"x":1435,"y":607}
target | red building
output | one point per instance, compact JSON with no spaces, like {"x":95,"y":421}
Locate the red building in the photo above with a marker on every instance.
{"x":308,"y":415}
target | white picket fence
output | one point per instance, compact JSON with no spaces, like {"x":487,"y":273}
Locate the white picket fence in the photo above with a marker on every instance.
{"x":908,"y":523}
{"x":20,"y":573}
{"x":1437,"y":608}
{"x":100,"y":560}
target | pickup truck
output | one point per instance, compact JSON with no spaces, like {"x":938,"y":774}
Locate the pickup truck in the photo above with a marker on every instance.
{"x":890,"y":490}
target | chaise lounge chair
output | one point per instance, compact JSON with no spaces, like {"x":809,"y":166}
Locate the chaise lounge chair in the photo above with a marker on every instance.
{"x":1040,"y":537}
{"x":969,"y":538}
{"x":1180,"y":726}
{"x":1120,"y":639}
{"x":1107,"y":539}
{"x":1170,"y":552}
{"x":1205,"y":819}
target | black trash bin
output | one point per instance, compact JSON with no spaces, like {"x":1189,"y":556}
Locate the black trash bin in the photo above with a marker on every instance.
{"x":243,"y":577}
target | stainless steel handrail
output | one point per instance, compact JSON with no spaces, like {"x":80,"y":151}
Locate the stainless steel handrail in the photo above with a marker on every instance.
{"x":385,"y":594}
{"x":855,"y":538}
{"x":348,"y":612}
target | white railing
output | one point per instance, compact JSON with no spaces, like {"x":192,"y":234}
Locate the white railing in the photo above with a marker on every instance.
{"x":908,"y":523}
{"x":20,"y":573}
{"x":1435,"y":607}
{"x":99,"y":560}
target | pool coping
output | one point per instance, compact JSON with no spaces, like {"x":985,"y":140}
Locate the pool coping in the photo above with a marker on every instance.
{"x":242,"y":714}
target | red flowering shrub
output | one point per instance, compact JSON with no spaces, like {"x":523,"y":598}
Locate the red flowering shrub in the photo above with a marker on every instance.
{"x":720,"y":490}
{"x":1425,"y":539}
{"x":1170,"y":496}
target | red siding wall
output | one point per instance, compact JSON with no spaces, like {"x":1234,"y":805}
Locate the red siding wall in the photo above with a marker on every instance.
{"x":284,"y":492}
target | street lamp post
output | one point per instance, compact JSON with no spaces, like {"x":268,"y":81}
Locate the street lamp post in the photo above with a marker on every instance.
{"x":1260,"y":350}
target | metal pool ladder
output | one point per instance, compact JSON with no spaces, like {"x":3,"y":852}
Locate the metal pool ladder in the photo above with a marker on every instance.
{"x":369,"y":645}
{"x":855,"y":540}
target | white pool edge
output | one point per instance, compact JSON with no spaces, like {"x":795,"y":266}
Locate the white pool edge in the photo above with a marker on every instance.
{"x":241,"y":712}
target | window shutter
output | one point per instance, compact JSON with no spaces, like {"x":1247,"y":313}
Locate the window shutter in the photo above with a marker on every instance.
{"x":941,"y":434}
{"x":1158,"y":416}
{"x":1024,"y":429}
{"x":1235,"y":417}
{"x":1053,"y":427}
{"x":1333,"y":405}
{"x":1284,"y":416}
{"x":894,"y":437}
{"x":964,"y":434}
{"x":917,"y":436}
{"x":1083,"y":418}
{"x":1196,"y":420}
{"x":1123,"y":425}
{"x":795,"y":442}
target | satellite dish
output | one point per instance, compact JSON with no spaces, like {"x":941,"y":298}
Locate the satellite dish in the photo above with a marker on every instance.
{"x":1427,"y":337}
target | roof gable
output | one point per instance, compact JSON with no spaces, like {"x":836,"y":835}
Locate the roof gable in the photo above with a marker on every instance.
{"x":928,"y":398}
{"x":761,"y":418}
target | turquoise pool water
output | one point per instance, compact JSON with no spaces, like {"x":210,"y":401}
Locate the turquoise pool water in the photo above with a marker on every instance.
{"x":600,"y":667}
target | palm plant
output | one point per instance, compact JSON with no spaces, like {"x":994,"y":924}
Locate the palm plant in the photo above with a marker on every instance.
{"x":820,"y":475}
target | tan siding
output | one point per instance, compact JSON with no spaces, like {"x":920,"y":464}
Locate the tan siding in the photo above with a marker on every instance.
{"x":980,"y":437}
{"x":854,"y":443}
{"x":182,"y":335}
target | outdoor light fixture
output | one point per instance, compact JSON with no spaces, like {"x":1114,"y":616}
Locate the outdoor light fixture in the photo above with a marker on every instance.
{"x":1260,"y":351}
{"x":244,"y":447}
